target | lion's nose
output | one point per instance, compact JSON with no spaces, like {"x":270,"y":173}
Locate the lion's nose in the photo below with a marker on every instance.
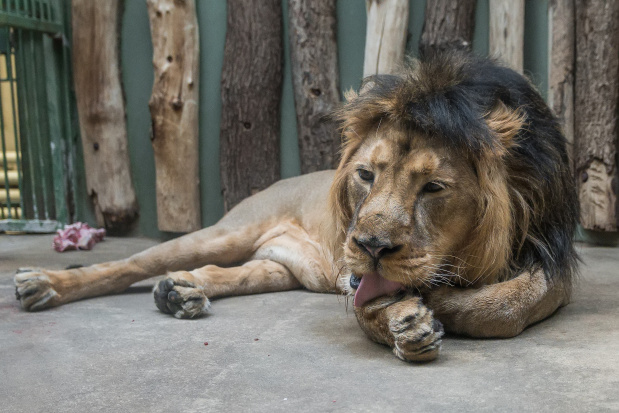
{"x":375,"y":247}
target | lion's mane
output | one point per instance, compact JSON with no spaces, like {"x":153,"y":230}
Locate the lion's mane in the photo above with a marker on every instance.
{"x":528,"y":206}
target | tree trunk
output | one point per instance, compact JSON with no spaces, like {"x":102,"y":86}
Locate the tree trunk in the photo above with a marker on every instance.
{"x":507,"y":32}
{"x":597,"y":97}
{"x":174,"y":112}
{"x":101,"y":111}
{"x":448,"y":25}
{"x":561,"y":66}
{"x":250,"y":92}
{"x":385,"y":40}
{"x":313,"y":51}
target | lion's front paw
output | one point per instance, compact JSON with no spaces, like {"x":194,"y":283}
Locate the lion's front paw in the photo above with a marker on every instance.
{"x":34,"y":290}
{"x":179,"y":297}
{"x":417,"y":336}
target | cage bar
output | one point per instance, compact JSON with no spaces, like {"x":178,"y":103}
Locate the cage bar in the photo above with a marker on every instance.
{"x":35,"y":171}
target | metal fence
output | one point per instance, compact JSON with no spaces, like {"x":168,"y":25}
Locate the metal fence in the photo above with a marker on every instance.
{"x":35,"y":122}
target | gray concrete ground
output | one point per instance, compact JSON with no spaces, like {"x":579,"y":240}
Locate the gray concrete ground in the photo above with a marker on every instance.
{"x":292,"y":351}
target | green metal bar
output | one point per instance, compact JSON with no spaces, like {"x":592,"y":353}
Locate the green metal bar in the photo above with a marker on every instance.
{"x":57,"y":142}
{"x":16,"y":131}
{"x":47,"y":144}
{"x":5,"y":164}
{"x":26,"y":119}
{"x":20,"y":22}
{"x":33,"y":226}
{"x":70,"y":134}
{"x":39,"y":112}
{"x":45,"y":10}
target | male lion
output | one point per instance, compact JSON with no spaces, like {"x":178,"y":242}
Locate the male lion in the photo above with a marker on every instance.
{"x":453,"y":203}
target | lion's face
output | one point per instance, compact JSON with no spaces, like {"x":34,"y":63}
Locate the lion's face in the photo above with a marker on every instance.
{"x":453,"y":171}
{"x":413,"y":207}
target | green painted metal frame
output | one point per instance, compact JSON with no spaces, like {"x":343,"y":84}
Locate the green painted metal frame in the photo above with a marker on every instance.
{"x":45,"y":157}
{"x":37,"y":15}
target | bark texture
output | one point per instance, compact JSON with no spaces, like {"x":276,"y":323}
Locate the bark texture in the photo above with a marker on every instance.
{"x":385,"y":40}
{"x":250,"y":92}
{"x":174,"y":112}
{"x":562,"y":49}
{"x":507,"y":32}
{"x":315,"y":78}
{"x":448,"y":25}
{"x":596,"y":111}
{"x":101,"y":111}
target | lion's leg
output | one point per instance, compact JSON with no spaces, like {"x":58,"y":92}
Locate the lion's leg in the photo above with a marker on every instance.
{"x":185,"y":294}
{"x":221,"y":244}
{"x":404,"y":324}
{"x":285,"y":259}
{"x":498,"y":310}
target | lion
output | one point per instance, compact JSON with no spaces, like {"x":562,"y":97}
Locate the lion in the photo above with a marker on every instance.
{"x":452,"y":209}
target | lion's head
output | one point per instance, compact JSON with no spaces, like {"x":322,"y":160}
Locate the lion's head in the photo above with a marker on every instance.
{"x":453,"y":172}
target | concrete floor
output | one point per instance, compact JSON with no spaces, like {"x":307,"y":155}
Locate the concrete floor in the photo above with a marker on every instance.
{"x":292,"y":351}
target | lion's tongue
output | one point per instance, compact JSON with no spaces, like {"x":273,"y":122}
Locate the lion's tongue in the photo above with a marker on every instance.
{"x":373,"y":285}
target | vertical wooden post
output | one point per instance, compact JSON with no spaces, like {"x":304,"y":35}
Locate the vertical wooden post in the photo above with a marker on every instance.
{"x":562,"y":47}
{"x":250,"y":92}
{"x":448,"y":25}
{"x":313,"y":51}
{"x":507,"y":32}
{"x":385,"y":40}
{"x":101,"y":110}
{"x":596,"y":101}
{"x":174,"y":112}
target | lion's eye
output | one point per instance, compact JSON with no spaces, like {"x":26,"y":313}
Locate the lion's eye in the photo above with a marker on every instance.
{"x":365,"y":175}
{"x":433,"y":187}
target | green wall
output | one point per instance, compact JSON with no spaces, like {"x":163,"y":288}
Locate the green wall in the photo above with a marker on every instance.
{"x":137,"y":74}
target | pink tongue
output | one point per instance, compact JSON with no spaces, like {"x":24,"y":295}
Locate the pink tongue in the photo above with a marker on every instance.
{"x":373,"y":285}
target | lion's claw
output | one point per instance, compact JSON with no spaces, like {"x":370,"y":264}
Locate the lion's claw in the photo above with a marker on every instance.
{"x":34,"y":290}
{"x":417,"y":336}
{"x":180,"y":297}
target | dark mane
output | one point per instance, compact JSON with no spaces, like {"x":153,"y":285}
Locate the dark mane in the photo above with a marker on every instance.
{"x":450,"y":96}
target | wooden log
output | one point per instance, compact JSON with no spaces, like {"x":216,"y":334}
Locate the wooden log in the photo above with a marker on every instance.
{"x":385,"y":40}
{"x":448,"y":25}
{"x":251,"y":84}
{"x":506,"y":36}
{"x":174,"y":112}
{"x":596,"y":100}
{"x":101,"y":111}
{"x":315,"y":78}
{"x":562,"y":47}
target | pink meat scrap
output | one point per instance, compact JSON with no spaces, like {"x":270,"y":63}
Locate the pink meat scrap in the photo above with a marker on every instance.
{"x":77,"y":236}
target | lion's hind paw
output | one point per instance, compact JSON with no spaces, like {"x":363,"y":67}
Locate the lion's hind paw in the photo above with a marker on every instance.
{"x":181,"y":298}
{"x":34,"y":290}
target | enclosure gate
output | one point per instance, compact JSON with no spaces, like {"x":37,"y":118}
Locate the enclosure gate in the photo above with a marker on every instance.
{"x":35,"y":122}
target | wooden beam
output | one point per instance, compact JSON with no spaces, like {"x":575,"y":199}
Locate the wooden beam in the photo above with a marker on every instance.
{"x":507,"y":32}
{"x":174,"y":112}
{"x":448,"y":25}
{"x":596,"y":101}
{"x":562,"y":48}
{"x":251,"y":85}
{"x":101,"y":111}
{"x":315,"y":78}
{"x":386,"y":32}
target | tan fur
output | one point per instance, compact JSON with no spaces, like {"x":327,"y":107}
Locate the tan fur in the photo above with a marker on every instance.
{"x":299,"y":232}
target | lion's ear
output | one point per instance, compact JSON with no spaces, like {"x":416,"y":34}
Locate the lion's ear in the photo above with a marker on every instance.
{"x":350,"y":95}
{"x":504,"y":123}
{"x":366,"y":85}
